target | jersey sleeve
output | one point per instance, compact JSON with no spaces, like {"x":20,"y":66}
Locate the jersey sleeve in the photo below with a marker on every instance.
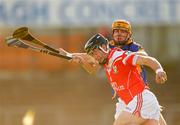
{"x":140,"y":48}
{"x":130,"y":58}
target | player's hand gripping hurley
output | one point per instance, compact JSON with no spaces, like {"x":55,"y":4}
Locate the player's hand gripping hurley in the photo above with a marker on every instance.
{"x":13,"y":42}
{"x":23,"y":34}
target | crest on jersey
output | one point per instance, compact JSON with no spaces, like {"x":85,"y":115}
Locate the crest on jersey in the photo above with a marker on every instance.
{"x":115,"y":69}
{"x":128,"y":52}
{"x":110,"y":63}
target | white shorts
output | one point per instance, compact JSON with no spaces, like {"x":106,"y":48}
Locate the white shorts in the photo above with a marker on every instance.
{"x":144,"y":104}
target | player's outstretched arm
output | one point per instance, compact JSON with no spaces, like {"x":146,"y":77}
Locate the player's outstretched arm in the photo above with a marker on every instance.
{"x":85,"y":60}
{"x":151,"y":62}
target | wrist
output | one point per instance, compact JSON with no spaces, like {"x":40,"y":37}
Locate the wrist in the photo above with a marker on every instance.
{"x":159,"y":70}
{"x":69,"y":54}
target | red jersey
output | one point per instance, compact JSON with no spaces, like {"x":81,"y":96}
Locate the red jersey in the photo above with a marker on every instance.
{"x":123,"y":74}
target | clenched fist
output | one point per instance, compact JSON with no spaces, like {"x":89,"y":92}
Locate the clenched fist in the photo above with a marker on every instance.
{"x":87,"y":61}
{"x":161,"y":76}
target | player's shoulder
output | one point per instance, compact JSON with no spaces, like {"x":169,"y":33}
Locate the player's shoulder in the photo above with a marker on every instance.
{"x":134,"y":46}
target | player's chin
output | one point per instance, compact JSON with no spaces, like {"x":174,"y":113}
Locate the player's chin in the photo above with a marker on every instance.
{"x":120,"y":42}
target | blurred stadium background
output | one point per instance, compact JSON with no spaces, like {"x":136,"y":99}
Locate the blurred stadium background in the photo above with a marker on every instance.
{"x":55,"y":92}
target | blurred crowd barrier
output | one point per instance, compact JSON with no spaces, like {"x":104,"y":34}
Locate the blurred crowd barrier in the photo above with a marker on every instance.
{"x":87,"y":13}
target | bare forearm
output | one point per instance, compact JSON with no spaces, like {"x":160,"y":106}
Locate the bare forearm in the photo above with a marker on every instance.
{"x":149,"y":61}
{"x":161,"y":76}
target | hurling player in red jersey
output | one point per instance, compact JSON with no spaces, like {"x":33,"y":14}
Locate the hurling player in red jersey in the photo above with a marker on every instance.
{"x":122,"y":38}
{"x":121,"y":69}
